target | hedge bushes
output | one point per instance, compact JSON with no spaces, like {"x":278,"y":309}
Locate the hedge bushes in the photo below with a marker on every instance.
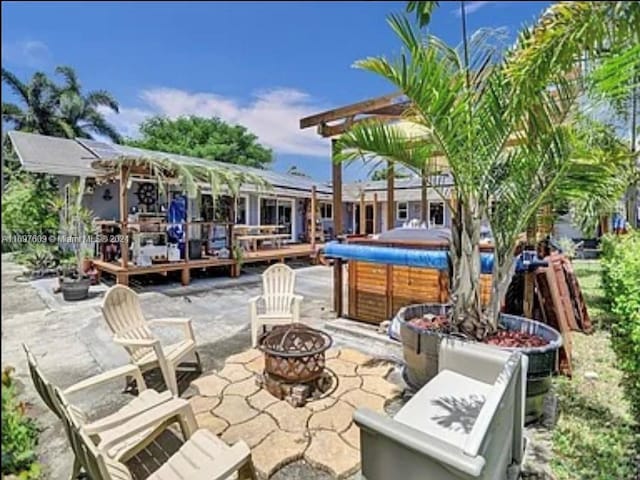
{"x":19,"y":434}
{"x":621,"y":283}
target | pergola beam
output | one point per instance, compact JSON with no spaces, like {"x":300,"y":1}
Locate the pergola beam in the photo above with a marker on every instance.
{"x":349,"y":110}
{"x":327,"y":131}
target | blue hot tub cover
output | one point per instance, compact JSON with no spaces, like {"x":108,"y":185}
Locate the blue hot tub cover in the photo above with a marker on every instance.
{"x":436,"y":259}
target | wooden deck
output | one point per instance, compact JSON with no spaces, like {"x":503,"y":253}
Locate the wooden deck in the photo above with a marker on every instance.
{"x":122,"y":274}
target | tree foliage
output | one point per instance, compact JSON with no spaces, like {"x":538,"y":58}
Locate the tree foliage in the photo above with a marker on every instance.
{"x":621,"y":282}
{"x":501,"y":124}
{"x":600,"y":169}
{"x":209,"y":138}
{"x":58,"y":110}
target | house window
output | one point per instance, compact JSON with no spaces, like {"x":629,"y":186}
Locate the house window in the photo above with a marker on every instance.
{"x":402,"y":210}
{"x":436,"y":214}
{"x":326,"y":211}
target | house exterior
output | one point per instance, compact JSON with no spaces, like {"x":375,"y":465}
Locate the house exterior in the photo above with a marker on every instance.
{"x":285,"y":202}
{"x":407,"y":204}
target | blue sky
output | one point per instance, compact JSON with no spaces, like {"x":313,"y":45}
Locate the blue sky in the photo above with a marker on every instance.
{"x":262,"y":64}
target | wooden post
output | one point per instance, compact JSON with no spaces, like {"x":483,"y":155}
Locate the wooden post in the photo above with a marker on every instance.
{"x":363,"y":216}
{"x":529,"y":277}
{"x":375,"y":212}
{"x":391,"y":204}
{"x":337,"y":287}
{"x":313,"y":218}
{"x":337,"y":191}
{"x":337,"y":227}
{"x":124,"y":229}
{"x":424,"y":215}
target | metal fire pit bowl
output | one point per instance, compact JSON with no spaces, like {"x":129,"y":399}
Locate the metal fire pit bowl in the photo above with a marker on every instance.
{"x":294,"y":353}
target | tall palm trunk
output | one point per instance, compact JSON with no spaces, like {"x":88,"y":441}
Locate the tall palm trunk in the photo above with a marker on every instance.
{"x":465,"y":246}
{"x":503,"y":270}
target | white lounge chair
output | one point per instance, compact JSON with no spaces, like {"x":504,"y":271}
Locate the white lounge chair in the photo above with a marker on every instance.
{"x":114,"y":432}
{"x":278,"y":304}
{"x":203,"y":456}
{"x":467,"y":422}
{"x":122,"y":311}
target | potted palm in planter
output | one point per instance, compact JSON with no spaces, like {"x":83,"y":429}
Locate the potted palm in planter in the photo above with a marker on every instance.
{"x":76,"y":230}
{"x":504,"y":140}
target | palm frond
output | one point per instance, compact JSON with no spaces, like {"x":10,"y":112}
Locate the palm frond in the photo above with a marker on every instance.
{"x":191,"y":176}
{"x":423,"y":11}
{"x":102,"y":98}
{"x":18,"y":87}
{"x":71,"y":78}
{"x":96,"y":123}
{"x":12,"y":113}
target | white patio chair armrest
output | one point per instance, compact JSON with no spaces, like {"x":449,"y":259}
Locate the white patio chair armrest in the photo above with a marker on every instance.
{"x":234,"y":458}
{"x":256,"y":299}
{"x":135,"y":342}
{"x":124,"y":371}
{"x":175,"y":410}
{"x":183,"y":322}
{"x":170,"y":321}
{"x":418,"y":441}
{"x":253,"y":305}
{"x":98,"y":426}
{"x":297,"y":302}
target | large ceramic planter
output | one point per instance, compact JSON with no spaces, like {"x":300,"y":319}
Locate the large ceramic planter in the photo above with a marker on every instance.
{"x":419,"y":346}
{"x":420,"y":350}
{"x":542,"y":360}
{"x":74,"y":289}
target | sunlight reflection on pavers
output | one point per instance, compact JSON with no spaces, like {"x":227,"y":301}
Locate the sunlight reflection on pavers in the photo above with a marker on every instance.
{"x":322,"y":432}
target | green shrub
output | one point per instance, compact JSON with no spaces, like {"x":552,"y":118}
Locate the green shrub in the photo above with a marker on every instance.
{"x":19,"y":434}
{"x":27,"y":209}
{"x":621,"y":283}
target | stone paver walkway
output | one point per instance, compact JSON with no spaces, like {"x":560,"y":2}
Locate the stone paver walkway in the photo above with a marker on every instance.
{"x":322,"y":432}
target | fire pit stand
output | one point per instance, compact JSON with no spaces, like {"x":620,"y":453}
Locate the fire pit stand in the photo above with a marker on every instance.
{"x":294,"y":363}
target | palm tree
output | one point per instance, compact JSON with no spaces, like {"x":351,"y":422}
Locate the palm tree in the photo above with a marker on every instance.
{"x":80,"y":113}
{"x":60,"y":111}
{"x":500,"y":122}
{"x":40,"y":101}
{"x":605,"y":35}
{"x":499,"y":148}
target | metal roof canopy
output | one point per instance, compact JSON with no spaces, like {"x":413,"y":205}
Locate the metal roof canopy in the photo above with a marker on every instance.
{"x":77,"y":157}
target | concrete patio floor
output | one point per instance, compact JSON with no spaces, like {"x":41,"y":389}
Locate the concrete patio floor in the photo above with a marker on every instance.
{"x":322,"y":432}
{"x":71,"y":340}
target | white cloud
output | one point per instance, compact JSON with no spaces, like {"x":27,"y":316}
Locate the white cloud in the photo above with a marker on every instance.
{"x":273,"y":115}
{"x":469,"y":8}
{"x":29,"y":53}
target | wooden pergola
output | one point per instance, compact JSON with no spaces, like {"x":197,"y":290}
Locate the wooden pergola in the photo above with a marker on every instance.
{"x":333,"y":123}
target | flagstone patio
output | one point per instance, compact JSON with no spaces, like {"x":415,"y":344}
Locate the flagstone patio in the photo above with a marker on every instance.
{"x":322,"y":432}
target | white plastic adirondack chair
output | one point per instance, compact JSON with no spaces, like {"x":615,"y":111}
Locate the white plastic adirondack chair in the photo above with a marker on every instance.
{"x":279,"y":304}
{"x":203,"y":456}
{"x":119,"y":430}
{"x":122,"y":311}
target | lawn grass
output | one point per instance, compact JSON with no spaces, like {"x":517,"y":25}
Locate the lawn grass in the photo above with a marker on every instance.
{"x":595,"y":437}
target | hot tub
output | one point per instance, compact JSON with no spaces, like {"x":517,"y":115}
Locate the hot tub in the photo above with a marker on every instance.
{"x":401,"y":267}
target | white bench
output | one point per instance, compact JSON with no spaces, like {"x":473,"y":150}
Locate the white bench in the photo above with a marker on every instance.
{"x":467,"y":422}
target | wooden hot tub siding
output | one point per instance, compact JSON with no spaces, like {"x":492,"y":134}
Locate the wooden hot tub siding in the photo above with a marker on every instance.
{"x":378,"y":291}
